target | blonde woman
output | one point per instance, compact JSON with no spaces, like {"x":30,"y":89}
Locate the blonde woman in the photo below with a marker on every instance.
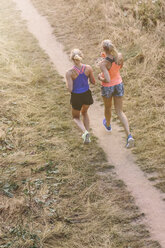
{"x":81,"y":97}
{"x":112,"y":87}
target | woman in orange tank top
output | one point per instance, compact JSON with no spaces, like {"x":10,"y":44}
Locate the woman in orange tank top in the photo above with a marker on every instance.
{"x":112,"y":87}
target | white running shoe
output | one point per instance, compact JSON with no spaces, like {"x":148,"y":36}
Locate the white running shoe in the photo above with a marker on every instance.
{"x":86,"y":137}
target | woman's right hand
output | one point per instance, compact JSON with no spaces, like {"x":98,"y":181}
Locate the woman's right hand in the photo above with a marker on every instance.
{"x":100,"y":77}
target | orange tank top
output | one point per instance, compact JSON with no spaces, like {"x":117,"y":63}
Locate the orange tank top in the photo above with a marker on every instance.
{"x":114,"y":73}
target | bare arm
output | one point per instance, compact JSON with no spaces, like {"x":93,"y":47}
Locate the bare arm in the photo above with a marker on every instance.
{"x":91,"y":76}
{"x":104,"y":69}
{"x":69,"y":81}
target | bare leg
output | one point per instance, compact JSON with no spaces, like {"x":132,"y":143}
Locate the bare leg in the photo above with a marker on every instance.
{"x":118,"y":102}
{"x":76,"y":118}
{"x":85,"y":116}
{"x":107,"y":109}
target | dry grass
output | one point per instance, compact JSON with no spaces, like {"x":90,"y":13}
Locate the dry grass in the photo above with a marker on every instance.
{"x":137,"y":29}
{"x":47,"y":198}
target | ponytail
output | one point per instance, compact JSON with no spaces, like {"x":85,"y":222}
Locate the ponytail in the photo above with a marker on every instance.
{"x":109,"y":47}
{"x":76,"y":54}
{"x":77,"y":57}
{"x":114,"y":53}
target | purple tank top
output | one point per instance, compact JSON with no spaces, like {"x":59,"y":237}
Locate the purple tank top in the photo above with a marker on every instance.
{"x":80,"y":84}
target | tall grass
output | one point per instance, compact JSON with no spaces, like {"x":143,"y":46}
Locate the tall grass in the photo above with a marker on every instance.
{"x":52,"y":191}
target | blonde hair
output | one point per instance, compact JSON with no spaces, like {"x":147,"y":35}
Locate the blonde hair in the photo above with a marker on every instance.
{"x":76,"y":54}
{"x":109,"y":47}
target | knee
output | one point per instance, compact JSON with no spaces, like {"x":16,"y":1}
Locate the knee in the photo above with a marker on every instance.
{"x":84,"y":112}
{"x":76,"y":117}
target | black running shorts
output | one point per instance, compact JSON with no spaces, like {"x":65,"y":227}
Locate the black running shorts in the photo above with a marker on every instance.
{"x":77,"y":100}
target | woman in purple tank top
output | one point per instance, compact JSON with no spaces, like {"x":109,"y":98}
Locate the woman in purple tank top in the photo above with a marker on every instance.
{"x":81,"y":98}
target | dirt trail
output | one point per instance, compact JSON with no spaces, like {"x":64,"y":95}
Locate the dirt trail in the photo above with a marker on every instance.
{"x":149,"y":200}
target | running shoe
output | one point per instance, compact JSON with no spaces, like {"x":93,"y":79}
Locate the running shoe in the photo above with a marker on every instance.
{"x":130,"y":141}
{"x":86,"y":137}
{"x":108,"y":129}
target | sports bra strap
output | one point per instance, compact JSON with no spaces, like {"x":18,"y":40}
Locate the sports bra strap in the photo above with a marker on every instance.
{"x":78,"y":70}
{"x":110,"y":60}
{"x":82,"y":69}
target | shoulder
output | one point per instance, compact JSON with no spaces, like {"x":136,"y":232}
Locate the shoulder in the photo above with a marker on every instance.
{"x":120,"y":56}
{"x":120,"y":59}
{"x":104,"y":63}
{"x":88,"y":68}
{"x":69,"y":72}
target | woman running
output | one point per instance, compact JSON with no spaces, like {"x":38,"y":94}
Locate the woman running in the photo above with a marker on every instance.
{"x":81,"y":97}
{"x":112,"y":87}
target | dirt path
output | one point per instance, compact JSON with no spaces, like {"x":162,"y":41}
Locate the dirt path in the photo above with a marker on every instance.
{"x":146,"y":196}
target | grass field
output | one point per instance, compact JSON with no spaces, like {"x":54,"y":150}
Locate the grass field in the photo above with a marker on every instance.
{"x":51,"y":194}
{"x":137,"y":29}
